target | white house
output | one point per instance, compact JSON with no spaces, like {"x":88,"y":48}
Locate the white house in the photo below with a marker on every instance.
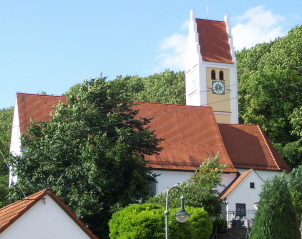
{"x":41,"y":215}
{"x":237,"y":195}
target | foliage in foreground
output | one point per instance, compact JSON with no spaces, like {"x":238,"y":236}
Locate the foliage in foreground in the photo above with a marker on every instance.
{"x":148,"y":221}
{"x":200,"y":190}
{"x":276,"y":216}
{"x":90,"y":153}
{"x":6,"y":118}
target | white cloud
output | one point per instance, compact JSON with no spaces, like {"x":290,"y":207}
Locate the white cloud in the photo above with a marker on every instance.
{"x":173,"y":53}
{"x":257,"y":25}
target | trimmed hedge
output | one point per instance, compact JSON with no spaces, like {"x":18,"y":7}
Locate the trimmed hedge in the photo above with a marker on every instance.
{"x":147,"y":221}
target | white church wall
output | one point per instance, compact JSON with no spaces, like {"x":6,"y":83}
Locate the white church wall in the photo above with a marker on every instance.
{"x":15,"y":145}
{"x":167,"y":179}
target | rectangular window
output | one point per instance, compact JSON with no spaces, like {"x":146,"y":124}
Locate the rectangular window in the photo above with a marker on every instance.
{"x":252,"y":185}
{"x":240,"y":210}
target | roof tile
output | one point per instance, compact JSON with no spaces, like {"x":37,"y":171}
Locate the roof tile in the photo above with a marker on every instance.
{"x":249,"y":147}
{"x":213,"y":41}
{"x":36,"y":107}
{"x":191,"y":135}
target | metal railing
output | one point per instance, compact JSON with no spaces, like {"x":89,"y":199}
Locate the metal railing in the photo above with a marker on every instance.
{"x":240,"y":219}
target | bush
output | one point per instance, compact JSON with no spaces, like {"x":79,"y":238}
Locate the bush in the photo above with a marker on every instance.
{"x":276,"y":216}
{"x":148,"y":221}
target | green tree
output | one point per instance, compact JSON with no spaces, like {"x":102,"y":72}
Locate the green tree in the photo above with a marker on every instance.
{"x":90,"y":153}
{"x":148,"y":221}
{"x":200,"y":190}
{"x":6,"y":118}
{"x":276,"y":217}
{"x":295,"y":187}
{"x":164,"y":87}
{"x":270,"y":78}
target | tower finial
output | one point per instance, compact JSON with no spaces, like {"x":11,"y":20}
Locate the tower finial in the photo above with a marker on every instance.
{"x":192,"y":15}
{"x":207,"y":11}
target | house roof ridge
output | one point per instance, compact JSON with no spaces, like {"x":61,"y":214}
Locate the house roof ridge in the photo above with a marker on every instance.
{"x":21,"y":93}
{"x":268,"y":147}
{"x":248,"y":125}
{"x":233,"y":185}
{"x":182,"y":105}
{"x":209,"y":19}
{"x":230,"y":163}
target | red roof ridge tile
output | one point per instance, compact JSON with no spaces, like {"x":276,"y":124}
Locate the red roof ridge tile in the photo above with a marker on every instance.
{"x":20,"y":93}
{"x":210,"y":20}
{"x":268,"y":147}
{"x":158,"y":103}
{"x":239,"y":124}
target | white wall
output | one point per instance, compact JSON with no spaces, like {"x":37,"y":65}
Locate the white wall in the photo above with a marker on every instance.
{"x":15,"y":145}
{"x":244,"y":194}
{"x":47,"y":221}
{"x":169,"y":179}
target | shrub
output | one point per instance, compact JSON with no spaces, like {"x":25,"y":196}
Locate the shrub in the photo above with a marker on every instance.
{"x":148,"y":221}
{"x":275,"y":217}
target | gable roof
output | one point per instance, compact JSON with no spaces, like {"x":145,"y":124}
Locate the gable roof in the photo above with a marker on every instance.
{"x":232,"y":186}
{"x":10,"y":213}
{"x":191,"y":135}
{"x":36,"y":107}
{"x":213,"y":41}
{"x":249,"y":147}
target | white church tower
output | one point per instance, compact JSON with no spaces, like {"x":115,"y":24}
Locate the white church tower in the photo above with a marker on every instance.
{"x":211,"y":70}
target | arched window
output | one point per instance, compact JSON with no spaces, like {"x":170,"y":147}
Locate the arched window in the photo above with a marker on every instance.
{"x":221,"y":75}
{"x":213,"y":75}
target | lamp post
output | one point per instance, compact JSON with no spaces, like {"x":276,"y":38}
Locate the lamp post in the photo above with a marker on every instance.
{"x":181,"y":216}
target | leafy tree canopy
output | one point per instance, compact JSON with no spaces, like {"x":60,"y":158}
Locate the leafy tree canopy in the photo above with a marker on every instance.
{"x":90,"y":153}
{"x":270,"y":78}
{"x":6,"y":118}
{"x":276,"y":216}
{"x":165,"y":87}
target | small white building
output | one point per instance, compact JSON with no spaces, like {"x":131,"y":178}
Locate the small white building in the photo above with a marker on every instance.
{"x":41,"y":215}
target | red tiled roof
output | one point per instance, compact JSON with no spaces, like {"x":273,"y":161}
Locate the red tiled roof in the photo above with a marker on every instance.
{"x":213,"y":41}
{"x":249,"y":147}
{"x":10,"y":213}
{"x":234,"y":184}
{"x":191,"y":135}
{"x":37,"y":107}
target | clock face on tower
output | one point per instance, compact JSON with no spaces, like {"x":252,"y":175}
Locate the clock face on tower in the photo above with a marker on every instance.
{"x":218,"y":87}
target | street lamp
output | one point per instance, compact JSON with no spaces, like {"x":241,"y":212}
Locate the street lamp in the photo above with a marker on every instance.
{"x":181,"y":216}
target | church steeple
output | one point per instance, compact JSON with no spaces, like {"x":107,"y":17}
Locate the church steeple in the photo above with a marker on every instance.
{"x":211,"y":72}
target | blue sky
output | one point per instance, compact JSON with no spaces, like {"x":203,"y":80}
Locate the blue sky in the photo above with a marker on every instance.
{"x":52,"y":45}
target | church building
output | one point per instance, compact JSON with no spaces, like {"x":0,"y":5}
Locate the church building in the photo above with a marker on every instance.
{"x":205,"y":126}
